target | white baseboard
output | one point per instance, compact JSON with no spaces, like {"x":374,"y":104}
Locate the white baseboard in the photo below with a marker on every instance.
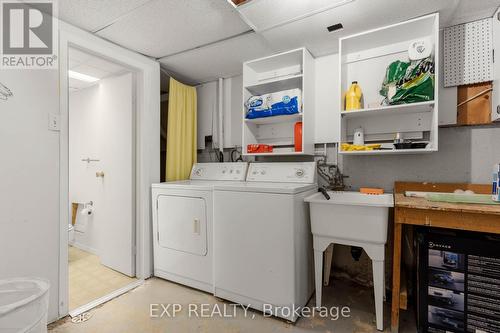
{"x":85,"y":248}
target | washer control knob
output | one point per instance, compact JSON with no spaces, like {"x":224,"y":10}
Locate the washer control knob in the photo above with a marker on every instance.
{"x":198,"y":172}
{"x":263,"y":172}
{"x":300,"y":173}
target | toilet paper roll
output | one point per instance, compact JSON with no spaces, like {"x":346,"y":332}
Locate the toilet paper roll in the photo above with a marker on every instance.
{"x":87,"y":211}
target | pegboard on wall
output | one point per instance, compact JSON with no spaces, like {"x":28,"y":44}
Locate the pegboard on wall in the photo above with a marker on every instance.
{"x":468,"y":53}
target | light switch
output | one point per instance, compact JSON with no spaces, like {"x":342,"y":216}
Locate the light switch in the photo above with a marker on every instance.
{"x":54,"y":120}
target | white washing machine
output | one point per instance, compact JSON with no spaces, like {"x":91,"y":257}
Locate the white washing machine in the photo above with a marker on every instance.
{"x":183,"y":224}
{"x":262,"y":238}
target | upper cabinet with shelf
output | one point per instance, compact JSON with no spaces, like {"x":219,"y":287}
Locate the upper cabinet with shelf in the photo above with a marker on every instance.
{"x":284,"y":71}
{"x":364,"y":58}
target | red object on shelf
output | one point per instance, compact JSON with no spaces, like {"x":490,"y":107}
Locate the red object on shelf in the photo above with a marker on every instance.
{"x":298,"y":136}
{"x":259,"y":148}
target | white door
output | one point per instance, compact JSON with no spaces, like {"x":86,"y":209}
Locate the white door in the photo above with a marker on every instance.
{"x":116,"y":146}
{"x":182,"y":224}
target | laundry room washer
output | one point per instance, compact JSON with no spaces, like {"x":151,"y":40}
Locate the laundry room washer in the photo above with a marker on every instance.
{"x":262,"y":238}
{"x":183,"y":224}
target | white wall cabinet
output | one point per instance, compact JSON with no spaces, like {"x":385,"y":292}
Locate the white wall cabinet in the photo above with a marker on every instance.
{"x":279,"y":72}
{"x":364,"y":58}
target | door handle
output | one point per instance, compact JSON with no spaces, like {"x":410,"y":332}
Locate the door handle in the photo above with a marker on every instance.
{"x":196,"y":226}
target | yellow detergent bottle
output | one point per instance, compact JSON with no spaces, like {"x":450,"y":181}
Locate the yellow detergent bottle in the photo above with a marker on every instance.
{"x":353,"y":97}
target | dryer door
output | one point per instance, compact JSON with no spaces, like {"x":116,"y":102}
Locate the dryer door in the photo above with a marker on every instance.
{"x":182,"y":224}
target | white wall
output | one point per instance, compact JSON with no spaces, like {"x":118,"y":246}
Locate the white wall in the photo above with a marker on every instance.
{"x":29,"y":179}
{"x":100,"y":127}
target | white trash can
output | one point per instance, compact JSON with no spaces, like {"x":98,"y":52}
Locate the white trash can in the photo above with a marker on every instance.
{"x":23,"y":305}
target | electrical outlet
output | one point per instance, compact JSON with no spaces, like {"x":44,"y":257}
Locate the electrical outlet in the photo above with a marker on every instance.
{"x":54,"y":120}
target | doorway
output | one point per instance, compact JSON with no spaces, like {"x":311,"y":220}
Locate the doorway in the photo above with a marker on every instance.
{"x":101,"y":226}
{"x":147,"y":144}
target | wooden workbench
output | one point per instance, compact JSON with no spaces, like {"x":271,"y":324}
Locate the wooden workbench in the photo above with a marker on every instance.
{"x":421,"y":212}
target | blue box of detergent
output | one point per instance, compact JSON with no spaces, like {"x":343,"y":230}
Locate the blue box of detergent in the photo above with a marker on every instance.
{"x":274,"y":104}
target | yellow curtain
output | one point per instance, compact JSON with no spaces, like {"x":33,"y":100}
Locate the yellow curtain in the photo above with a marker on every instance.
{"x":181,"y":130}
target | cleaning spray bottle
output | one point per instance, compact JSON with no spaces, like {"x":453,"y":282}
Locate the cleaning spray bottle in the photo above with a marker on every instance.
{"x":353,"y":97}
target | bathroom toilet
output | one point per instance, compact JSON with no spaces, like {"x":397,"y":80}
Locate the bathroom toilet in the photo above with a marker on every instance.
{"x":71,"y":234}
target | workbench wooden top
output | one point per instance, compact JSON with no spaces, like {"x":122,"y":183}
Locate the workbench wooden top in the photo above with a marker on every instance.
{"x":421,"y":203}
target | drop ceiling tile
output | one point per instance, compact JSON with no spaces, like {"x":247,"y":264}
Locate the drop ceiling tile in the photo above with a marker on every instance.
{"x":472,"y":10}
{"x":94,"y":14}
{"x":166,"y":27}
{"x":264,"y":14}
{"x":356,"y":16}
{"x":223,"y":59}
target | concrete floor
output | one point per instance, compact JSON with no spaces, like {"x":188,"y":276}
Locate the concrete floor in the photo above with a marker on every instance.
{"x":131,"y":313}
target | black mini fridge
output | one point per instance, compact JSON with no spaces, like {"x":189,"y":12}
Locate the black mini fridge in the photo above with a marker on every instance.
{"x":458,"y":281}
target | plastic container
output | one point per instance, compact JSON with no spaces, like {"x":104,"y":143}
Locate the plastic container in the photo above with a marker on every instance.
{"x":495,"y":195}
{"x":353,"y":97}
{"x":23,"y":305}
{"x":298,"y":136}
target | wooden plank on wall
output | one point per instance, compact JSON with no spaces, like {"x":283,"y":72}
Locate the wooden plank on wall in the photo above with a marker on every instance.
{"x":474,"y":102}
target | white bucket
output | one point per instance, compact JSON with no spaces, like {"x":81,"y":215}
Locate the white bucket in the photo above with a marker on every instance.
{"x":23,"y":305}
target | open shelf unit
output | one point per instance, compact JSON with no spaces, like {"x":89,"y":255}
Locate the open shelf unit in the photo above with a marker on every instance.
{"x":287,"y":70}
{"x":390,"y":109}
{"x":388,"y":151}
{"x":364,"y":57}
{"x":276,"y":119}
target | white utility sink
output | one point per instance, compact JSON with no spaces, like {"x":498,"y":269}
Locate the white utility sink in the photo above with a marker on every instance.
{"x":351,"y":215}
{"x":355,"y":219}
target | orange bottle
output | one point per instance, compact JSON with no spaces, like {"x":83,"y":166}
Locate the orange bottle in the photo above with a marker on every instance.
{"x":298,"y":136}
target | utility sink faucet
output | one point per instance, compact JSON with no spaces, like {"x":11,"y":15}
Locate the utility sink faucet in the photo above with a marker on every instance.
{"x":332,"y":175}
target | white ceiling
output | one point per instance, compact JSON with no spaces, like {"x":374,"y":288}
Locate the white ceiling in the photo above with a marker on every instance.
{"x":166,"y":27}
{"x":87,"y":64}
{"x":223,"y":59}
{"x":200,"y":40}
{"x":356,"y":16}
{"x":92,"y":15}
{"x":472,"y":10}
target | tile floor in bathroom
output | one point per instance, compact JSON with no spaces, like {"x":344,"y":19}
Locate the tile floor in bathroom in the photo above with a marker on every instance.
{"x":131,"y":313}
{"x":89,"y":279}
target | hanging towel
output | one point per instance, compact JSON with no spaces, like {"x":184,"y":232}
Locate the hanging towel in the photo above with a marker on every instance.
{"x":181,"y":131}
